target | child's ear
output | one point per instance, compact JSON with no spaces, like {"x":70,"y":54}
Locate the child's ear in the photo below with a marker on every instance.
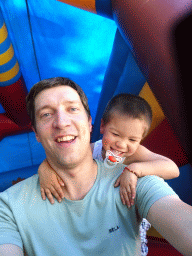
{"x":102,"y":127}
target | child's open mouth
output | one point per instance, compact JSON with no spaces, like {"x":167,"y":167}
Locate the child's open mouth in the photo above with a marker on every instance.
{"x":116,"y":152}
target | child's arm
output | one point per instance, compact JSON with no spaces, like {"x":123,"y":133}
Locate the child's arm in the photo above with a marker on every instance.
{"x":50,"y":183}
{"x":144,"y":162}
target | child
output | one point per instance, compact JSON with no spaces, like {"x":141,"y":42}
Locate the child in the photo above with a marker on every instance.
{"x":125,"y":122}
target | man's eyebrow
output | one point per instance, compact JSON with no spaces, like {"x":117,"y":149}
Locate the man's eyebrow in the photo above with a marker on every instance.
{"x":49,"y":106}
{"x":73,"y":101}
{"x":41,"y":108}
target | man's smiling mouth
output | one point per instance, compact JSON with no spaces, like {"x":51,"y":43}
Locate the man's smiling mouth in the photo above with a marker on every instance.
{"x":67,"y":138}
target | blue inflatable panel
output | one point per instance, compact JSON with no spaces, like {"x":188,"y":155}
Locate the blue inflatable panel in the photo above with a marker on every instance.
{"x":132,"y":80}
{"x":182,"y":184}
{"x":6,"y":178}
{"x":122,"y":75}
{"x":15,"y":153}
{"x":37,"y":151}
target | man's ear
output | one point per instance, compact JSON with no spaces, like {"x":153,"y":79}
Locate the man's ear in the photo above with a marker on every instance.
{"x":36,"y":135}
{"x":90,"y":124}
{"x":102,"y":127}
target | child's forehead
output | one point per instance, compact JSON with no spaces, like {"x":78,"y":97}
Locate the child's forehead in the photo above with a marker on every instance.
{"x":118,"y":115}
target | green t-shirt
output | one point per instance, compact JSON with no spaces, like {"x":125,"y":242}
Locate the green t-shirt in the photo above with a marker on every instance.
{"x":99,"y":224}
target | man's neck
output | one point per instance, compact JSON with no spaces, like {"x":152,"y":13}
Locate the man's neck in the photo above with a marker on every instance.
{"x":78,"y":180}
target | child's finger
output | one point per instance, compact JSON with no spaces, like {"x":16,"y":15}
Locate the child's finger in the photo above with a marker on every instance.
{"x":43,"y":194}
{"x":124,"y":195}
{"x":58,"y":191}
{"x":122,"y":199}
{"x":117,"y":183}
{"x":60,"y":181}
{"x":129,"y":196}
{"x":56,"y":195}
{"x":133,"y":195}
{"x":49,"y":196}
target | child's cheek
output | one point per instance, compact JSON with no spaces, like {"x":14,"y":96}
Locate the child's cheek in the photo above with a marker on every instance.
{"x":106,"y":142}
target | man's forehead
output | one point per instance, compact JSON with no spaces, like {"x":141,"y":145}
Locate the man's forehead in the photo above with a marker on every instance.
{"x":55,"y":95}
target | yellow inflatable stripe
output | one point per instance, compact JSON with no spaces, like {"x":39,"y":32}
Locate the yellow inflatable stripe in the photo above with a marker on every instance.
{"x":9,"y":74}
{"x":87,"y":5}
{"x":3,"y":33}
{"x":7,"y":56}
{"x":158,"y":114}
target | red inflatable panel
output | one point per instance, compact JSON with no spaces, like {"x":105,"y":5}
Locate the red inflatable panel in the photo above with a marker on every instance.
{"x":160,"y":247}
{"x":162,"y":140}
{"x":12,"y":98}
{"x":15,"y":120}
{"x":8,"y":127}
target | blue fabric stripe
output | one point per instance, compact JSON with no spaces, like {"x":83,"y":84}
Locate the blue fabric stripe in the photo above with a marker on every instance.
{"x":8,"y":66}
{"x":5,"y":45}
{"x":11,"y":81}
{"x":1,"y":19}
{"x":104,"y":8}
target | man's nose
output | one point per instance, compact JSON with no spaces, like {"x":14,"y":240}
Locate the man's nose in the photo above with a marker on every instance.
{"x":62,"y":119}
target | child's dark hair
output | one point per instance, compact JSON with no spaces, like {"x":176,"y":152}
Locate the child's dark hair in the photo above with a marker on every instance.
{"x":130,"y":105}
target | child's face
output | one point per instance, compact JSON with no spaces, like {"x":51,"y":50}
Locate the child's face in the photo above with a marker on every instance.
{"x":122,"y":134}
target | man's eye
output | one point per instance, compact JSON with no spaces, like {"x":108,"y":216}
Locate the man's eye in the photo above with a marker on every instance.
{"x":45,"y":115}
{"x":73,"y":109}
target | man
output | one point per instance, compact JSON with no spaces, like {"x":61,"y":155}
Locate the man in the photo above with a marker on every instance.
{"x":91,"y":220}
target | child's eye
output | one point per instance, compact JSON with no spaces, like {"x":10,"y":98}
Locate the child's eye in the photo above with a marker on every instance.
{"x":132,"y":140}
{"x":115,"y":134}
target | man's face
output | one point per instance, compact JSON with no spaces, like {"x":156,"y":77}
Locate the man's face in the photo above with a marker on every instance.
{"x":62,"y":126}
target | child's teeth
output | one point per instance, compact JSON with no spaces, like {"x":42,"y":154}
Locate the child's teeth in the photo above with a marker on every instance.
{"x":116,"y":152}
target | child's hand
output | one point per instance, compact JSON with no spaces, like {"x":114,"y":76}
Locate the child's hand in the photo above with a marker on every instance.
{"x":50,"y":183}
{"x":128,"y":182}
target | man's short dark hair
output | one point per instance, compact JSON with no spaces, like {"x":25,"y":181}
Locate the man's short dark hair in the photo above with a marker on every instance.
{"x":128,"y":104}
{"x":50,"y":83}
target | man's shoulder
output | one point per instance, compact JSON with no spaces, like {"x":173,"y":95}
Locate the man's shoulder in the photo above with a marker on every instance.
{"x":151,"y":180}
{"x":25,"y":186}
{"x":149,"y":190}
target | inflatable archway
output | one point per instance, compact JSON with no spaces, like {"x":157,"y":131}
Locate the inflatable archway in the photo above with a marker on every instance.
{"x":140,"y":47}
{"x":126,"y":48}
{"x":153,"y":28}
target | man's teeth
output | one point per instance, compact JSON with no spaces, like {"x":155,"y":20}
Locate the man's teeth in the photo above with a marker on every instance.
{"x":65,"y":138}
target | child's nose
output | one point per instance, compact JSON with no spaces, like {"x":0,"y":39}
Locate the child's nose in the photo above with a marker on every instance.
{"x":121,"y":144}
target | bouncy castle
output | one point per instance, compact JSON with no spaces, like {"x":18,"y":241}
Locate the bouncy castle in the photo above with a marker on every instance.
{"x":107,"y":47}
